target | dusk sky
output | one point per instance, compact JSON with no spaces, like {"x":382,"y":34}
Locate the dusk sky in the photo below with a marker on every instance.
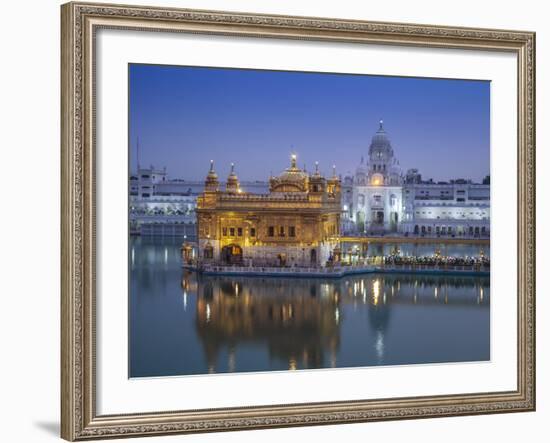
{"x":186,"y":116}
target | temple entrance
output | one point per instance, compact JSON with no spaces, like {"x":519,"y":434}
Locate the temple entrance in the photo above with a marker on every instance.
{"x":393,"y":221}
{"x":232,"y":254}
{"x":360,"y":221}
{"x":378,"y":217}
{"x":313,"y":257}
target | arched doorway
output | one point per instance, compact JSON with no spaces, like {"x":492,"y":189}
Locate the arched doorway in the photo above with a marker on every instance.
{"x":394,"y":219}
{"x":360,"y":221}
{"x":232,"y":254}
{"x":208,"y":252}
{"x":313,"y":257}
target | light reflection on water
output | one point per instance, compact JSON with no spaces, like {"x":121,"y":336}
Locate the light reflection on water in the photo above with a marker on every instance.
{"x":181,"y":323}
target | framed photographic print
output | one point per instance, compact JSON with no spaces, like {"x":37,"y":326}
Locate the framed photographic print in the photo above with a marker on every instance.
{"x":281,"y":221}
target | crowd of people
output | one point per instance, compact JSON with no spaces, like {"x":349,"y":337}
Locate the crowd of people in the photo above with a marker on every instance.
{"x":437,"y":261}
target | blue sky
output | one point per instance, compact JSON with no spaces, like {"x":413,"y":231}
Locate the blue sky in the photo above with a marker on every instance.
{"x":186,"y":116}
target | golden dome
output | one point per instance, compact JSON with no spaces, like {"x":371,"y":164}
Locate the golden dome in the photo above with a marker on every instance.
{"x":292,"y":179}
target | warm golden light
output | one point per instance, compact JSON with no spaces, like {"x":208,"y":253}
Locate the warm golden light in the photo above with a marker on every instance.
{"x":376,"y":291}
{"x":238,"y":226}
{"x":292,"y":364}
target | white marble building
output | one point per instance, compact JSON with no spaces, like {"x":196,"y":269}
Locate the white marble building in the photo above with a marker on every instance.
{"x":384,"y":200}
{"x":378,"y":189}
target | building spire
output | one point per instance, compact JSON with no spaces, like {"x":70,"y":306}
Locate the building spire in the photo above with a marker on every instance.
{"x":232,"y":184}
{"x":293,"y":161}
{"x":211,"y":183}
{"x":316,"y":173}
{"x":381,"y":128}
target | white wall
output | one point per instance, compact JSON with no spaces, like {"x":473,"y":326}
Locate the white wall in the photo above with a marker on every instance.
{"x":29,"y":221}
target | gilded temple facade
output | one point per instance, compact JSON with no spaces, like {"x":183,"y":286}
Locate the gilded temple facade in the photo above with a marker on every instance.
{"x":296,"y":224}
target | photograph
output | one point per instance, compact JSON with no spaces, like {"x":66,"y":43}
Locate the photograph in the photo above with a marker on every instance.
{"x":283,"y":217}
{"x":289,"y":220}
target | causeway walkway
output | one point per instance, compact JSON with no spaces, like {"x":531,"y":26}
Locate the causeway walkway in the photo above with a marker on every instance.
{"x":337,"y":271}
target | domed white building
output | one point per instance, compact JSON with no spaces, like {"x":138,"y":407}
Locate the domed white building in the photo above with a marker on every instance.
{"x":378,"y":188}
{"x":384,"y":201}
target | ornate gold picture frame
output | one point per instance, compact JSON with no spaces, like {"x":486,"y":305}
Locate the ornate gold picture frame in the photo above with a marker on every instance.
{"x":80,"y":22}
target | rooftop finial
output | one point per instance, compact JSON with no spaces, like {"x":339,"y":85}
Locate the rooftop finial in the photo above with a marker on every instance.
{"x":334,"y":170}
{"x":293,"y":160}
{"x":211,"y":183}
{"x":232,"y":167}
{"x":316,"y":167}
{"x":381,"y":125}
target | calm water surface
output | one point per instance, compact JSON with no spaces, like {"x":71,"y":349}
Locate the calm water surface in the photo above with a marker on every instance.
{"x":181,"y":323}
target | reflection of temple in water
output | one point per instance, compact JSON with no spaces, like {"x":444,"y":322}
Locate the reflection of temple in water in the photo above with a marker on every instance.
{"x":299,"y":319}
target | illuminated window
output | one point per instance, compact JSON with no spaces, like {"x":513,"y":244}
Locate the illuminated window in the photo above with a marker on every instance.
{"x":377,"y":179}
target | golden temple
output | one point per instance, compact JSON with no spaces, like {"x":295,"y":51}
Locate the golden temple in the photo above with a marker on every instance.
{"x":296,"y":224}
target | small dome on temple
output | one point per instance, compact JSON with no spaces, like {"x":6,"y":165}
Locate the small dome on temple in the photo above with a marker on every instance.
{"x":232,"y":184}
{"x":211,"y":183}
{"x":316,"y":174}
{"x":211,"y":172}
{"x":362,"y":166}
